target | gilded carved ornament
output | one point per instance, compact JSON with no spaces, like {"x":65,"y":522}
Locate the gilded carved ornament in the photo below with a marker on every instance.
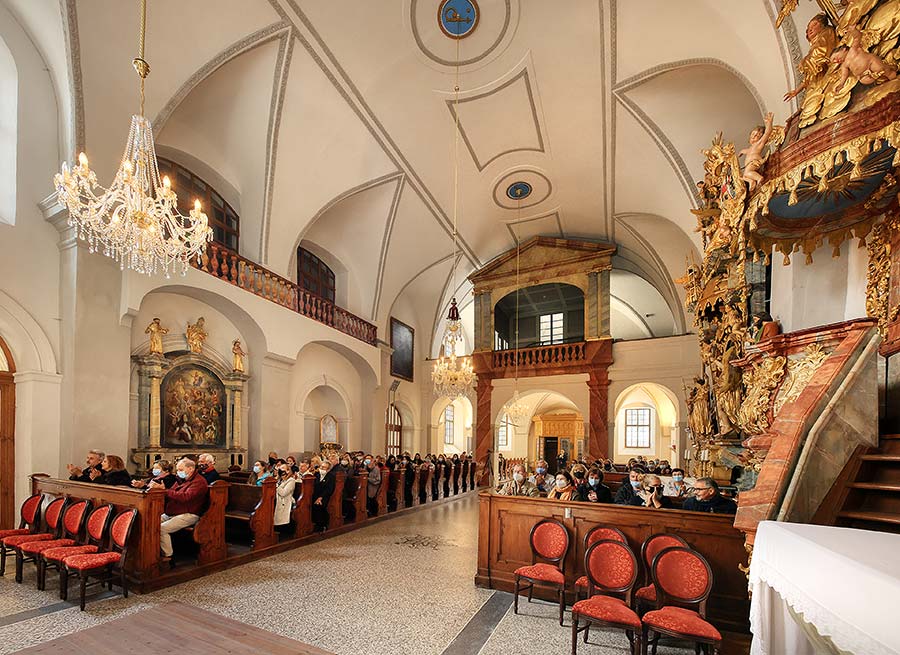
{"x":800,"y":371}
{"x":878,"y":274}
{"x":760,"y":380}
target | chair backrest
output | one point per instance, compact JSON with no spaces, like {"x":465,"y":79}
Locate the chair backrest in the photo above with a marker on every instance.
{"x":30,"y":513}
{"x":611,"y":566}
{"x":682,"y":577}
{"x":121,"y":530}
{"x":549,"y":540}
{"x":599,"y":532}
{"x":74,"y":518}
{"x":53,"y":514}
{"x":98,"y":524}
{"x":654,"y":544}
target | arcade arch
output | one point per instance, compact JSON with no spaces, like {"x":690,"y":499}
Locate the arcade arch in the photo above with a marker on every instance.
{"x":646,"y":423}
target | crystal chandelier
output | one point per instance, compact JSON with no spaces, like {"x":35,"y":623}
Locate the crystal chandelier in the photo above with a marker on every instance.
{"x":135,"y":221}
{"x":516,"y":410}
{"x":452,"y":375}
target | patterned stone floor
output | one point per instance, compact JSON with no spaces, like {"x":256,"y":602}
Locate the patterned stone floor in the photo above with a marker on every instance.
{"x":400,"y":586}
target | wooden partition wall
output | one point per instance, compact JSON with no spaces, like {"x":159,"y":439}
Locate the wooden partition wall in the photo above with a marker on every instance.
{"x":505,"y":523}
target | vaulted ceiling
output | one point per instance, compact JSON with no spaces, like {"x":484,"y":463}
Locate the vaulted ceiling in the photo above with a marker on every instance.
{"x":335,"y":123}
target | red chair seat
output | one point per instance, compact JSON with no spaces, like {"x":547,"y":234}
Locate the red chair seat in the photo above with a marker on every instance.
{"x":683,"y":621}
{"x":582,"y":582}
{"x":647,"y":593}
{"x":35,"y":547}
{"x":542,"y":572}
{"x":59,"y":553}
{"x":15,"y":531}
{"x":19,"y":539}
{"x":91,"y":561}
{"x":607,"y":609}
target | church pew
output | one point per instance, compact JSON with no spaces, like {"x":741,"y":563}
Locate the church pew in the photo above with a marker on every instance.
{"x":437,"y":482}
{"x":464,"y":476}
{"x":355,"y":498}
{"x":254,"y":507}
{"x":457,"y":468}
{"x":416,"y":487}
{"x":505,"y":523}
{"x":209,"y":532}
{"x":425,"y":481}
{"x":396,"y":490}
{"x":302,"y":512}
{"x":381,"y":497}
{"x":473,"y":467}
{"x":336,"y":502}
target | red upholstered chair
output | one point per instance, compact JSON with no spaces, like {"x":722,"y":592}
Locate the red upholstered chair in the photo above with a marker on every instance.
{"x":549,"y":540}
{"x":94,"y":535}
{"x":645,"y":597}
{"x":73,"y":518}
{"x":611,"y":569}
{"x":53,"y":525}
{"x":594,"y":535}
{"x":682,"y":577}
{"x":105,"y":566}
{"x":29,"y":522}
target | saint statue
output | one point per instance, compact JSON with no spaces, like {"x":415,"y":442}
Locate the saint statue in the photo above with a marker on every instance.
{"x":156,"y":332}
{"x":237,"y":360}
{"x":698,"y":411}
{"x":196,"y":335}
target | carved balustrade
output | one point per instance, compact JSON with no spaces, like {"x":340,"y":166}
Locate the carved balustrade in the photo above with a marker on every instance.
{"x":229,"y":266}
{"x":554,"y":355}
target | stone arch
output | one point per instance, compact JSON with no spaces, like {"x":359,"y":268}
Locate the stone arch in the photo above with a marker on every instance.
{"x":665,"y":416}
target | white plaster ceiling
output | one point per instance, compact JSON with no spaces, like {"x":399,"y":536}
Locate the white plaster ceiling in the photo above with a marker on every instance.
{"x":331,"y":119}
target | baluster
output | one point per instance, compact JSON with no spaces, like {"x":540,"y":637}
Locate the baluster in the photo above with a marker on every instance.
{"x":234,"y":268}
{"x":242,"y":275}
{"x":215,"y":262}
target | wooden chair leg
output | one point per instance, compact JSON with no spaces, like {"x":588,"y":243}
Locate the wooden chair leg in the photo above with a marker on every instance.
{"x":516,"y":597}
{"x":2,"y":559}
{"x":644,"y":640}
{"x":697,"y":649}
{"x":562,"y":604}
{"x":124,"y":584}
{"x":20,"y":564}
{"x":530,"y":589}
{"x":655,"y":641}
{"x":82,"y":584}
{"x":63,"y":582}
{"x":587,"y":629}
{"x":574,"y":633}
{"x":41,"y":572}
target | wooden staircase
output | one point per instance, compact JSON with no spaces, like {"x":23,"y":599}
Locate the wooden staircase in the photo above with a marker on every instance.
{"x":867,"y":495}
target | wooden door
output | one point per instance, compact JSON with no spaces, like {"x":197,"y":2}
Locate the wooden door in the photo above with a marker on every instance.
{"x":7,"y":438}
{"x":551,"y":450}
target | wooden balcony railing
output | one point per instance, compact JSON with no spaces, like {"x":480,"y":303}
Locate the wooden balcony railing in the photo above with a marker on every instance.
{"x":563,"y":353}
{"x":229,"y":266}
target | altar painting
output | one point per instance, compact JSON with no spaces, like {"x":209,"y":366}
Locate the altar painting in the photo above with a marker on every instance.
{"x":193,"y":401}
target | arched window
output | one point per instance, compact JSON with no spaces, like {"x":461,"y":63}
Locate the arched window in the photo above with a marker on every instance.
{"x":449,"y":432}
{"x":505,"y":431}
{"x":223,"y":220}
{"x":394,"y":427}
{"x":314,"y":275}
{"x":637,"y":427}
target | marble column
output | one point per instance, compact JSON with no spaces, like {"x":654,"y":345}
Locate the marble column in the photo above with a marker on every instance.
{"x":598,"y":438}
{"x":484,"y":321}
{"x":603,"y":292}
{"x":591,"y":309}
{"x":484,"y":433}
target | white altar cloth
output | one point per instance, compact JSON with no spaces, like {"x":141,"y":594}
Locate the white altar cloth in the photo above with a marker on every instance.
{"x":843,"y":582}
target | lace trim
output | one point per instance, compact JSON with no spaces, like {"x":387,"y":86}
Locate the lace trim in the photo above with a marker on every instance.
{"x":842,"y":636}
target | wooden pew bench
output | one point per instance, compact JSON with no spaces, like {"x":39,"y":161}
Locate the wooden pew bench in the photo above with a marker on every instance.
{"x":250,"y":512}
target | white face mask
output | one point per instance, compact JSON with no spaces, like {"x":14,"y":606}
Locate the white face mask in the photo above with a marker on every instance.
{"x":323,"y":472}
{"x":518,"y":477}
{"x":156,"y":472}
{"x":561,"y":483}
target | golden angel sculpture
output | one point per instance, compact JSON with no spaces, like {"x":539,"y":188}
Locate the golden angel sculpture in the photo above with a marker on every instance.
{"x":156,"y":332}
{"x":237,"y":360}
{"x":196,"y":335}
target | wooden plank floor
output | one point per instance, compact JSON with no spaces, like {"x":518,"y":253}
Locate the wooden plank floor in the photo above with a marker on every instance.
{"x":173,"y":628}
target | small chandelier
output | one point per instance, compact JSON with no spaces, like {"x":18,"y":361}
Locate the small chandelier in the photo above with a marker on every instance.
{"x":135,"y":221}
{"x":516,"y":410}
{"x":452,"y":376}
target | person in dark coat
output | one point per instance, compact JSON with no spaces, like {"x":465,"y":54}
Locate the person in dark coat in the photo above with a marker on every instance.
{"x":650,"y":494}
{"x":446,"y":469}
{"x":162,"y":471}
{"x":629,"y":488}
{"x":707,"y":498}
{"x":114,"y":472}
{"x":322,"y":491}
{"x":206,"y":464}
{"x":594,"y":491}
{"x":92,"y":462}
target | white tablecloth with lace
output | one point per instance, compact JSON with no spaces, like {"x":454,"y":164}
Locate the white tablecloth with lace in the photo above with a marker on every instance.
{"x":819,"y":589}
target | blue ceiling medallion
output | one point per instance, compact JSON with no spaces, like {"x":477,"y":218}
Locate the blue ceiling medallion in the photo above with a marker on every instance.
{"x":518,"y":190}
{"x":458,"y":18}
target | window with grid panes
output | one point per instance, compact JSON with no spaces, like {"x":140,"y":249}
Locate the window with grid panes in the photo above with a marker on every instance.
{"x":504,"y":431}
{"x":551,"y":326}
{"x":314,"y":275}
{"x":223,"y":220}
{"x":637,"y":428}
{"x":448,"y":425}
{"x":394,"y":426}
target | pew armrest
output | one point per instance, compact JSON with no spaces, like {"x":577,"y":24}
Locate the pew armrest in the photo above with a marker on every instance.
{"x":209,"y":531}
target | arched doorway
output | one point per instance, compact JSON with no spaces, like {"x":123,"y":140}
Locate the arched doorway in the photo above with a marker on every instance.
{"x":7,"y":438}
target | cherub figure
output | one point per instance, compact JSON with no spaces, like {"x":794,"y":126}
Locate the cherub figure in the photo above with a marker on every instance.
{"x":753,"y":153}
{"x":853,"y":60}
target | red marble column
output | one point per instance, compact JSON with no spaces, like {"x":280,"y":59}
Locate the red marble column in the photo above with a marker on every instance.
{"x":484,"y":433}
{"x":598,"y":437}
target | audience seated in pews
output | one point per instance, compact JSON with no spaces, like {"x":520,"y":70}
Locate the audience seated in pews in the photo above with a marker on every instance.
{"x":206,"y":463}
{"x":677,"y":486}
{"x":162,"y":471}
{"x":322,"y":491}
{"x":261,"y":471}
{"x":112,"y":472}
{"x":594,"y":491}
{"x":541,"y":478}
{"x":284,"y":498}
{"x":92,"y":462}
{"x":628,"y":491}
{"x":564,"y":487}
{"x":185,"y":502}
{"x":707,"y":498}
{"x":372,"y":484}
{"x":650,"y":494}
{"x":519,"y":486}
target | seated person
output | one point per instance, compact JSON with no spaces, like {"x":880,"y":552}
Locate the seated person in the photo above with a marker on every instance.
{"x":541,"y":479}
{"x":206,"y":463}
{"x":518,"y":486}
{"x":629,"y":488}
{"x":162,"y":471}
{"x":579,"y":472}
{"x":564,"y":488}
{"x":284,"y":498}
{"x":291,"y":461}
{"x":595,"y":491}
{"x":112,"y":472}
{"x":707,"y":498}
{"x":92,"y":461}
{"x":677,"y":486}
{"x":322,"y":492}
{"x":373,"y":484}
{"x":650,"y":494}
{"x":260,"y":472}
{"x":184,"y":503}
{"x":664,"y":468}
{"x":273,"y":458}
{"x":608,"y":465}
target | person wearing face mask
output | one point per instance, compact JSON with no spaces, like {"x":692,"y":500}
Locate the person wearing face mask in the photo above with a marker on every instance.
{"x":273,"y":458}
{"x":594,"y":491}
{"x":291,"y":461}
{"x":650,"y":494}
{"x":184,"y":503}
{"x":564,"y":487}
{"x":664,"y":468}
{"x":677,"y":486}
{"x":579,"y":472}
{"x":707,"y":498}
{"x":541,"y":478}
{"x":322,"y":491}
{"x":284,"y":498}
{"x":206,"y":464}
{"x":162,"y":471}
{"x":260,"y":472}
{"x":518,"y":485}
{"x":629,"y":487}
{"x":373,"y":484}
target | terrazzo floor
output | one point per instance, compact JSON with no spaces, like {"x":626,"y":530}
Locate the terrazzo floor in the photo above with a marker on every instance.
{"x":400,"y":586}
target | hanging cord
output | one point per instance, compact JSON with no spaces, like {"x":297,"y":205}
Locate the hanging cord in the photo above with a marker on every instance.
{"x":518,"y":290}
{"x":455,"y":167}
{"x":140,"y":64}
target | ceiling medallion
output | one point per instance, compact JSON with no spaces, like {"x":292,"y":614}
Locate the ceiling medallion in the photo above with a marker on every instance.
{"x":458,"y":18}
{"x":518,"y":190}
